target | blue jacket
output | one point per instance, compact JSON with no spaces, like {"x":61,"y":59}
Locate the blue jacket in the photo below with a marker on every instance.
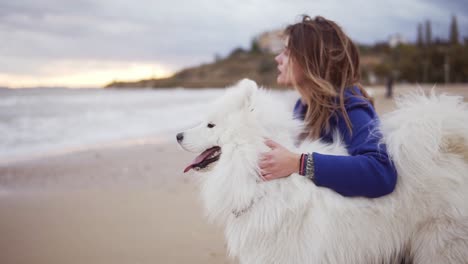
{"x":368,"y":171}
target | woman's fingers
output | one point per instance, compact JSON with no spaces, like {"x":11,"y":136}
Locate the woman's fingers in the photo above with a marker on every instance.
{"x":271,"y":144}
{"x":266,"y":165}
{"x":265,"y":162}
{"x":266,"y":155}
{"x":262,"y":173}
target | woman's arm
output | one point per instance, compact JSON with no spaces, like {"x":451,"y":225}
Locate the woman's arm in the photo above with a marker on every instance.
{"x":367,"y":172}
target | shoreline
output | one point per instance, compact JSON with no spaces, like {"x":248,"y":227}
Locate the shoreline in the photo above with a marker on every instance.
{"x":156,"y":139}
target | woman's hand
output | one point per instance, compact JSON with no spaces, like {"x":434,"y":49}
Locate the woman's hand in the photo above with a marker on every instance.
{"x":279,"y":162}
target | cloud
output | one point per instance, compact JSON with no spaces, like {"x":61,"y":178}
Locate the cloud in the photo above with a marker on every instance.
{"x":180,"y":33}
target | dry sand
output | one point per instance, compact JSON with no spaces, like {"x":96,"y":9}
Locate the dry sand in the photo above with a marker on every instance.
{"x":125,"y":204}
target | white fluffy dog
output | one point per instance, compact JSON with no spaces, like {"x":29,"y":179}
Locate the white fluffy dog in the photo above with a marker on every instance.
{"x":291,"y":220}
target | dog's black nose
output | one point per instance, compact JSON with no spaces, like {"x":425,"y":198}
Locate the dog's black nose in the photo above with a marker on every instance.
{"x":180,"y":137}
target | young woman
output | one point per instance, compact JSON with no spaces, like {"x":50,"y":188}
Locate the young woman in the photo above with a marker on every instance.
{"x":322,"y":63}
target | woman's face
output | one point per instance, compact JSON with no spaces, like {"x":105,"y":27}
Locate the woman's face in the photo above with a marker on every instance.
{"x":288,"y":71}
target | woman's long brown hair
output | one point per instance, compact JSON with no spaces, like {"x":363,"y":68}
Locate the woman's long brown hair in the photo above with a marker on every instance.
{"x":329,"y":62}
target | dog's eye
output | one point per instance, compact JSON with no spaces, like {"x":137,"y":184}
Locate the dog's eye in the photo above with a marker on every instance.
{"x":210,"y":125}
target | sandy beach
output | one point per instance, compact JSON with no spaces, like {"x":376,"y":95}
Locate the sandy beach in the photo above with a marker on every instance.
{"x":127,"y":203}
{"x":112,"y":205}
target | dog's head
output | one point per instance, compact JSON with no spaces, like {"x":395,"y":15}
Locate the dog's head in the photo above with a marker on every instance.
{"x":242,"y":116}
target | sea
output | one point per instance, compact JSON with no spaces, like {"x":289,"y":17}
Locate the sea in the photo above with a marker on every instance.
{"x":39,"y":121}
{"x":36,"y":121}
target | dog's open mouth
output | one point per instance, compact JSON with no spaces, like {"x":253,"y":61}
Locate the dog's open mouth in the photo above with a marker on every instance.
{"x":203,"y":160}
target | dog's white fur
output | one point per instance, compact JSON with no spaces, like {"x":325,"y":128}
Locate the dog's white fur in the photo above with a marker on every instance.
{"x":291,"y":220}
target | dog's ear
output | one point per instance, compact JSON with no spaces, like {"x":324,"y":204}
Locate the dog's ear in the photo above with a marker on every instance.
{"x":250,"y":90}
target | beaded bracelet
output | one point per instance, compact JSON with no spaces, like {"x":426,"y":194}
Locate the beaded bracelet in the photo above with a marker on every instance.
{"x":306,"y":166}
{"x":302,"y":164}
{"x":310,"y":167}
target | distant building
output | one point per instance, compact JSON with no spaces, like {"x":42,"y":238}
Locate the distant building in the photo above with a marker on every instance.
{"x":271,"y":41}
{"x":396,"y":39}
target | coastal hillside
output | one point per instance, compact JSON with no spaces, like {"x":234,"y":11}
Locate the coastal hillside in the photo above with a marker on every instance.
{"x":440,"y":61}
{"x":254,"y":64}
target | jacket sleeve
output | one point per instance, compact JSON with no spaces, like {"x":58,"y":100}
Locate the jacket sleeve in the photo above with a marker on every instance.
{"x":368,"y":170}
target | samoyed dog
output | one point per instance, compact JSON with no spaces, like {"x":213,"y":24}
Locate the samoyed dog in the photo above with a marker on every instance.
{"x":291,"y":220}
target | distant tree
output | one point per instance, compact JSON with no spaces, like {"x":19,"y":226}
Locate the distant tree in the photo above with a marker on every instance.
{"x":217,"y":57}
{"x":267,"y":65}
{"x":382,"y":70}
{"x":407,"y":63}
{"x":237,"y":52}
{"x":464,"y":58}
{"x":428,"y":33}
{"x":420,"y":40}
{"x":458,"y":55}
{"x":381,"y":47}
{"x":364,"y":49}
{"x":454,"y":32}
{"x":254,"y":47}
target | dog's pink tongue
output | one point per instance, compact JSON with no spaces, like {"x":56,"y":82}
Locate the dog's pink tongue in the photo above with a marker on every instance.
{"x":200,"y":158}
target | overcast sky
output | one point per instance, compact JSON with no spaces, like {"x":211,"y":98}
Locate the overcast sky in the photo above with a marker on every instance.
{"x":90,"y":43}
